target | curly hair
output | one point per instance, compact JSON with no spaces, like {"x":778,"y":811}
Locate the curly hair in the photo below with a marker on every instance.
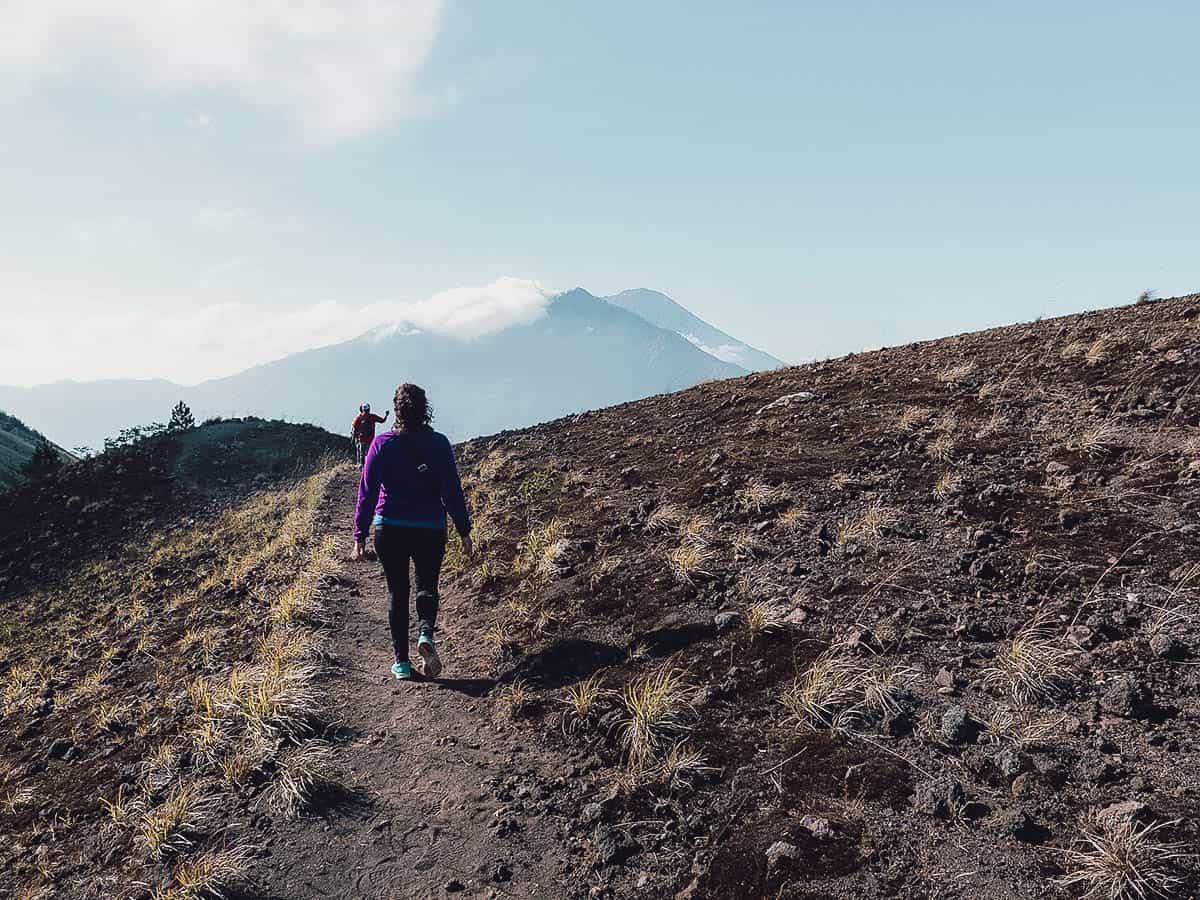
{"x":413,"y":411}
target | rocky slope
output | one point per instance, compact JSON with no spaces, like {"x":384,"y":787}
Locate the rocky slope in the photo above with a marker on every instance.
{"x":917,"y":622}
{"x":133,"y":585}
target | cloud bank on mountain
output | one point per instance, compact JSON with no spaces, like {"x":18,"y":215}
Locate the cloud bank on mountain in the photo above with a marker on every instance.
{"x":47,"y":344}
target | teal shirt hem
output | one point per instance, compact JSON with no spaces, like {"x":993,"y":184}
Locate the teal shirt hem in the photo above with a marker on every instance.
{"x":409,"y":523}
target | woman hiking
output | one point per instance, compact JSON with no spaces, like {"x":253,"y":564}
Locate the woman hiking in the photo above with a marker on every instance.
{"x":409,"y":482}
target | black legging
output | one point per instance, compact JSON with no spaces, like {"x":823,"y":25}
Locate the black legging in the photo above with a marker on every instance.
{"x":396,"y":545}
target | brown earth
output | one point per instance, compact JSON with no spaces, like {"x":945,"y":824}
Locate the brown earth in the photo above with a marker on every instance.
{"x":990,"y":541}
{"x":913,"y":511}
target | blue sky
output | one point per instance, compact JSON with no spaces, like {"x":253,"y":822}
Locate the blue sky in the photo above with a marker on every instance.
{"x":188,"y":188}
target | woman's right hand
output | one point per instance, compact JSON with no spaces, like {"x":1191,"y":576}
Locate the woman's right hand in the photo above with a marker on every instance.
{"x":359,"y":551}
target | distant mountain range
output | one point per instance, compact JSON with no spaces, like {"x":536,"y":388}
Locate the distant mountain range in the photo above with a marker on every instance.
{"x":584,"y":353}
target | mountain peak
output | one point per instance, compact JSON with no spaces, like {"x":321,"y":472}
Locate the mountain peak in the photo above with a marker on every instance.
{"x":659,"y":309}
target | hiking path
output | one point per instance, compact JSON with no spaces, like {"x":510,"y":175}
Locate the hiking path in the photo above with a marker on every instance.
{"x":441,"y":799}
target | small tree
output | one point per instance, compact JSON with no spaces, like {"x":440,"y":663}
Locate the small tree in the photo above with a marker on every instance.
{"x":181,"y":418}
{"x":45,"y":461}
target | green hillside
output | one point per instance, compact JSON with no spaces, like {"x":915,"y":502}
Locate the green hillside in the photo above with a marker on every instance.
{"x":17,"y":443}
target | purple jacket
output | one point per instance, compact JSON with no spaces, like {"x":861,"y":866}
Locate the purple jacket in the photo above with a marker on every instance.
{"x":410,"y":478}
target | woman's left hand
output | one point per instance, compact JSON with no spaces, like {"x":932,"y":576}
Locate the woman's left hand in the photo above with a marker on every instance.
{"x":359,"y":551}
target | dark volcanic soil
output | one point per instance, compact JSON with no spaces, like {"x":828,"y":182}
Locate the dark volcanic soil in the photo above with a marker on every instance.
{"x":926,"y":617}
{"x":910,"y":511}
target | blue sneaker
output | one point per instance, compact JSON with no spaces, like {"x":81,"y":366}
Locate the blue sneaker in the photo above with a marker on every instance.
{"x":402,"y":670}
{"x":431,"y":666}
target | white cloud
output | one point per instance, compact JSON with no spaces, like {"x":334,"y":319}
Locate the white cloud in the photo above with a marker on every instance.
{"x":469,"y":312}
{"x":225,"y":338}
{"x":339,"y":69}
{"x":199,"y":121}
{"x":730,"y":353}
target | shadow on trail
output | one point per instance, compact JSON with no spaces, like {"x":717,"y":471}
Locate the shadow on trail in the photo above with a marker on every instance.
{"x":665,"y":641}
{"x":472,"y":687}
{"x":331,"y":799}
{"x":564,"y":662}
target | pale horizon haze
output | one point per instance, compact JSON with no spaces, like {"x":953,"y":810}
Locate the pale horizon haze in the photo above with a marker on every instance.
{"x":188,"y":189}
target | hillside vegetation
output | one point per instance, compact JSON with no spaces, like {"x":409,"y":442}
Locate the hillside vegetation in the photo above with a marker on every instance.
{"x":18,"y":443}
{"x":917,"y":622}
{"x":157,"y":654}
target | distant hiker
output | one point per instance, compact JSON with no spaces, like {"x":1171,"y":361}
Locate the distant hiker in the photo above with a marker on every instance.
{"x":362,"y":431}
{"x":409,"y":482}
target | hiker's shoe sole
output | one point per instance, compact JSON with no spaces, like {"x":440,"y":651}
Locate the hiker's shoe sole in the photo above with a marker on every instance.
{"x":431,"y":665}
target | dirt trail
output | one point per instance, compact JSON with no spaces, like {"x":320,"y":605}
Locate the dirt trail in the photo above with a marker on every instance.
{"x":442,"y":800}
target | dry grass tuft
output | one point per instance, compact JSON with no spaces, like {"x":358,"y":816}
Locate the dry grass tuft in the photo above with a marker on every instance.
{"x":1035,"y":665}
{"x":760,"y":497}
{"x":838,"y":690}
{"x":1121,"y":860}
{"x":1099,"y":351}
{"x":990,"y":389}
{"x":491,"y":465}
{"x":696,"y":530}
{"x":688,"y":561}
{"x":913,"y":417}
{"x":499,"y":636}
{"x":275,"y":700}
{"x":829,"y":686}
{"x":656,"y":707}
{"x":1098,"y":440}
{"x":514,"y":698}
{"x":542,"y":551}
{"x":123,"y":809}
{"x":683,"y":766}
{"x":941,"y":448}
{"x":665,"y":517}
{"x":884,"y":686}
{"x":793,"y":519}
{"x":956,"y":373}
{"x":236,"y":767}
{"x":210,"y":875}
{"x":1073,"y":350}
{"x":113,"y":715}
{"x":296,"y":605}
{"x":765,"y":617}
{"x":160,"y":767}
{"x":948,"y":484}
{"x":749,"y":545}
{"x":166,"y":828}
{"x":606,"y":566}
{"x":867,"y":527}
{"x":302,"y":771}
{"x":1002,"y":726}
{"x":582,"y":702}
{"x":1171,"y":617}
